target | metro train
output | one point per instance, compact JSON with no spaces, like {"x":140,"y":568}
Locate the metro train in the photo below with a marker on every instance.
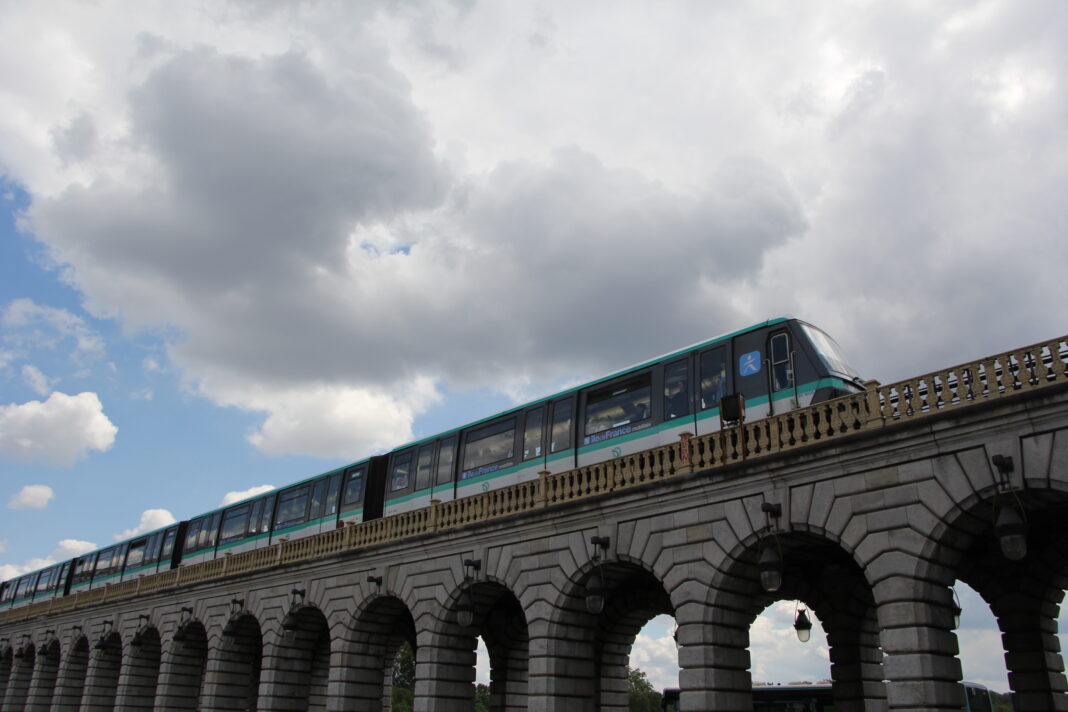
{"x":773,"y":366}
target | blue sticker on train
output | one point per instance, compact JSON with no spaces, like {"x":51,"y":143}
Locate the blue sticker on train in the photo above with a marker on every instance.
{"x":749,"y":363}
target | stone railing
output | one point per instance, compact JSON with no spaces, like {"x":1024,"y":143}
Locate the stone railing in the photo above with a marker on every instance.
{"x":1038,"y":366}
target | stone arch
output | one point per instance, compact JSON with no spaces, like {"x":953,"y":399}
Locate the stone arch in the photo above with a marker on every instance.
{"x":73,"y":669}
{"x":233,"y":670}
{"x":182,"y":669}
{"x":1025,"y":596}
{"x":579,"y":657}
{"x":46,"y":672}
{"x":140,"y":672}
{"x":818,"y":571}
{"x":6,"y":663}
{"x":102,"y":678}
{"x":18,"y":684}
{"x":499,"y":619}
{"x":378,"y":630}
{"x":296,"y":666}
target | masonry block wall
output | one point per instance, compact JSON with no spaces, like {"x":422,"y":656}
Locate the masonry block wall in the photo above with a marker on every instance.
{"x":872,"y":532}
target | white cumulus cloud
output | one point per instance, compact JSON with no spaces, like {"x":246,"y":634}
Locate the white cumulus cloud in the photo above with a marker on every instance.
{"x":65,"y":550}
{"x":36,"y":380}
{"x":231,"y":497}
{"x":57,"y":431}
{"x":151,"y":519}
{"x":32,"y":497}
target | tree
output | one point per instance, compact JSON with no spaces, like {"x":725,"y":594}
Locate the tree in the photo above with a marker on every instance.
{"x":643,"y":698}
{"x":403,"y":679}
{"x":482,"y":698}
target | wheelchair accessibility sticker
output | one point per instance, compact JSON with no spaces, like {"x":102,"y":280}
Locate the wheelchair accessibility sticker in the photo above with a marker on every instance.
{"x":749,"y":363}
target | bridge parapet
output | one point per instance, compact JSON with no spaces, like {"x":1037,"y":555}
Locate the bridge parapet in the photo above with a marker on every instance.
{"x":1041,"y":365}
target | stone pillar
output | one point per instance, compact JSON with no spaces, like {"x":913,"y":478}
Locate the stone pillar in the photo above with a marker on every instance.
{"x":70,"y":683}
{"x":232,"y":673}
{"x":856,"y":663}
{"x":358,"y":677}
{"x":1032,"y":652}
{"x":445,"y":673}
{"x":43,"y":683}
{"x":714,"y":657}
{"x":921,"y":663}
{"x":296,"y":672}
{"x":18,"y":684}
{"x":140,"y":674}
{"x":102,"y":678}
{"x":181,"y":674}
{"x":561,"y":668}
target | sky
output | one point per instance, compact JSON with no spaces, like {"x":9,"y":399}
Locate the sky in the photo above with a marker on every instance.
{"x":243,"y":242}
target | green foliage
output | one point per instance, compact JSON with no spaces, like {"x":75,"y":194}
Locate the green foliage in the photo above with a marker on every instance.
{"x":1000,"y":702}
{"x":643,"y":698}
{"x":482,"y":698}
{"x":403,"y":679}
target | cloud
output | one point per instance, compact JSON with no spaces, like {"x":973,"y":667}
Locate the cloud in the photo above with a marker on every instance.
{"x":27,"y":324}
{"x":32,"y":497}
{"x":392,"y":209}
{"x":57,"y":431}
{"x":65,"y":550}
{"x":37,"y":381}
{"x":151,"y":520}
{"x":231,"y":497}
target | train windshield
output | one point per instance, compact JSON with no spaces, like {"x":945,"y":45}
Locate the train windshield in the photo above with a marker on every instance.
{"x":829,"y":351}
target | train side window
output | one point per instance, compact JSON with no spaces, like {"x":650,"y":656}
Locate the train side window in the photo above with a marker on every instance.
{"x":446,"y":459}
{"x":317,"y":499}
{"x":676,"y":389}
{"x":713,"y":377}
{"x":60,"y":581}
{"x":268,"y":514}
{"x":191,"y":535}
{"x":400,"y":475}
{"x":489,"y":444}
{"x":782,"y":375}
{"x":533,"y":437}
{"x":255,"y":516}
{"x":422,"y":472}
{"x":235,"y":524}
{"x":136,"y":555}
{"x":560,"y":438}
{"x":168,"y":545}
{"x":83,"y":569}
{"x":25,"y":586}
{"x":332,"y":492}
{"x":152,"y":549}
{"x":44,"y":581}
{"x":353,"y":486}
{"x":618,"y":405}
{"x":292,"y":507}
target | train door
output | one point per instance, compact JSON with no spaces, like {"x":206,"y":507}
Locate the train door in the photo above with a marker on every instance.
{"x":444,"y":487}
{"x":352,"y":494}
{"x":714,"y":381}
{"x":677,"y":401}
{"x":136,"y":554}
{"x":82,"y":577}
{"x":330,"y":505}
{"x":169,"y":554}
{"x":561,"y":455}
{"x":400,"y":481}
{"x":533,"y":450}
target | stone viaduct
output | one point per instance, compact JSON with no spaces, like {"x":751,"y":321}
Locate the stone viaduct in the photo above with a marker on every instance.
{"x":868,"y":508}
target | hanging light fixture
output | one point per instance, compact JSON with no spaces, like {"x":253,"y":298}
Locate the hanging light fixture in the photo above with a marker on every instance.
{"x":956,"y":609}
{"x":595,"y":591}
{"x":802,"y":625}
{"x":465,"y":609}
{"x":770,"y":566}
{"x":1009,"y":525}
{"x":1011,"y":531}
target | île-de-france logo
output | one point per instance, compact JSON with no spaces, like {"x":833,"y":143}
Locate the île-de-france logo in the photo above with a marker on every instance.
{"x":749,"y":363}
